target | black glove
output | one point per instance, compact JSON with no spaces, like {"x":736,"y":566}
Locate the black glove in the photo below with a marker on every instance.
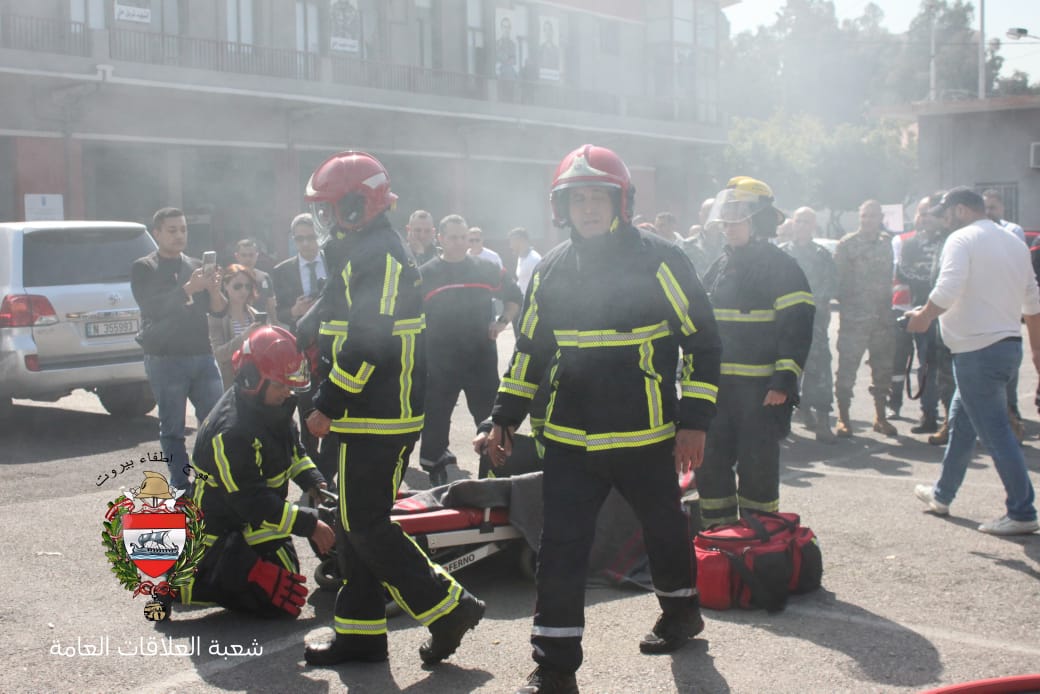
{"x":285,"y":590}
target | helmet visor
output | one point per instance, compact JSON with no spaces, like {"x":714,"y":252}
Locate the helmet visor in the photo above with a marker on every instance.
{"x":299,"y":377}
{"x":733,"y":206}
{"x":324,"y":214}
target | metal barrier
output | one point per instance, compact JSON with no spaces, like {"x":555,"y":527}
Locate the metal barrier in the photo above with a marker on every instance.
{"x":40,"y":34}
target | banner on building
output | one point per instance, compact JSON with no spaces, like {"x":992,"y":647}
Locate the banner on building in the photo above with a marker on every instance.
{"x":507,"y":57}
{"x":44,"y":207}
{"x":133,"y":11}
{"x":549,"y":64}
{"x":345,"y":24}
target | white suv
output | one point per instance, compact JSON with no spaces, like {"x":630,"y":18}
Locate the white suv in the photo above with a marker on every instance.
{"x":67,"y":316}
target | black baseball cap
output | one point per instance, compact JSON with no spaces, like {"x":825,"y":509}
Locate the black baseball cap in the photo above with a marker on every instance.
{"x":961,"y":195}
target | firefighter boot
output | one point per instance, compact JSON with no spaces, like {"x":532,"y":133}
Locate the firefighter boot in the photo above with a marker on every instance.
{"x":447,"y":632}
{"x":672,"y":631}
{"x":548,"y":681}
{"x":823,"y":427}
{"x":844,"y":428}
{"x":881,"y":423}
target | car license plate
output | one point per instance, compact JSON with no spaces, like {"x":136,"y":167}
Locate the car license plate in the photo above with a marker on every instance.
{"x":111,"y":327}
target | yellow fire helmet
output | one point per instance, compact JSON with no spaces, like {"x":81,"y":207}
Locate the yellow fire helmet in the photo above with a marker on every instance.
{"x":741,"y":199}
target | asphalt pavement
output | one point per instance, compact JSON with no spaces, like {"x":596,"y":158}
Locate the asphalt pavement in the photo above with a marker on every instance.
{"x":909,"y":601}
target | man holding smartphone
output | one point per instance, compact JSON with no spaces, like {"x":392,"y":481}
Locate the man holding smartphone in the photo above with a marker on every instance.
{"x":175,"y":293}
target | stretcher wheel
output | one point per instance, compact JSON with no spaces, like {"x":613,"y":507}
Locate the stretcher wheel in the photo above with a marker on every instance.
{"x":327,"y":574}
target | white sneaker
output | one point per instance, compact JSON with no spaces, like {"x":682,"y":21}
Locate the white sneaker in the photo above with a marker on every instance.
{"x":1009,"y":526}
{"x":926,"y":493}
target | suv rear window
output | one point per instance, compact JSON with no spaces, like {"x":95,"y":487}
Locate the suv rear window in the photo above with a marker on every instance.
{"x":82,"y":256}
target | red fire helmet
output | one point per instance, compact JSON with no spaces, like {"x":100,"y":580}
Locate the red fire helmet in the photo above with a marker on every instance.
{"x":269,"y":354}
{"x":348,"y":190}
{"x":590,"y":165}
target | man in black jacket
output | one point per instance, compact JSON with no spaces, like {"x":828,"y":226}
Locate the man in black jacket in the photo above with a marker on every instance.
{"x":245,"y":454}
{"x":370,"y":391}
{"x":175,"y":293}
{"x":461,"y":331}
{"x":606,"y":314}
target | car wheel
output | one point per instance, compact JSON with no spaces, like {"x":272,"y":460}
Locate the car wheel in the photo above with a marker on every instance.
{"x":127,"y":399}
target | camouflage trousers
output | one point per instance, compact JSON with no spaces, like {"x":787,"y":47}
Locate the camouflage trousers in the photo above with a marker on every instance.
{"x":817,"y":378}
{"x":857,"y":335}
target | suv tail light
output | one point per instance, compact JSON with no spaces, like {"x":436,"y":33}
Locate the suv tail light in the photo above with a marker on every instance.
{"x":25,"y":311}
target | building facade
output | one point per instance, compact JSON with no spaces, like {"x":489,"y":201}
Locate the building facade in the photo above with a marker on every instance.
{"x":992,"y":143}
{"x":114,"y":108}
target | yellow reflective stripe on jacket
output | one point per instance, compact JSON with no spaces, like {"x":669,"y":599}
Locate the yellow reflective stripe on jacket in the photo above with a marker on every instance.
{"x":391,"y":278}
{"x":734,"y":315}
{"x":348,"y":270}
{"x":792,"y":299}
{"x":273,"y":531}
{"x":352,"y":383}
{"x":406,"y":425}
{"x":529,"y":321}
{"x":223,"y":465}
{"x":788,"y":365}
{"x":611,"y":338}
{"x":301,"y":463}
{"x":607,"y":441}
{"x":519,"y":388}
{"x":674,"y":293}
{"x":652,"y":384}
{"x":278,"y":480}
{"x":701,"y":390}
{"x":360,"y":627}
{"x":520,"y":365}
{"x":730,"y":369}
{"x":407,"y":366}
{"x":406,"y":326}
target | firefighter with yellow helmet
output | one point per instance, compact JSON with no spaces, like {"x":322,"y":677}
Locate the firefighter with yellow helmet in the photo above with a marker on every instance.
{"x":764,"y":311}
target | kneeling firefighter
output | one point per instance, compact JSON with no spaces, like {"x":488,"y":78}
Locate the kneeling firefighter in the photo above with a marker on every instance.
{"x":764,"y":309}
{"x":371,"y":384}
{"x":246,"y":452}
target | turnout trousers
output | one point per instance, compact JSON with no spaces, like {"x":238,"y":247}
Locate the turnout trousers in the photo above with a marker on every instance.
{"x":375,"y":554}
{"x":222,"y":575}
{"x":574,"y":486}
{"x":745,"y":436}
{"x":446,"y":377}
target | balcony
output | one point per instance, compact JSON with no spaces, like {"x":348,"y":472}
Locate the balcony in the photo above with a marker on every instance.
{"x":408,"y":78}
{"x":47,"y":35}
{"x":208,"y":54}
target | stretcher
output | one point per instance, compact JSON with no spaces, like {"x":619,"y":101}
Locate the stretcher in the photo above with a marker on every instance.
{"x":452,"y":537}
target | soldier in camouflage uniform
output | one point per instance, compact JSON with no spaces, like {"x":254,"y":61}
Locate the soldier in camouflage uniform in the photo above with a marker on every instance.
{"x":818,"y":266}
{"x":863,"y":261}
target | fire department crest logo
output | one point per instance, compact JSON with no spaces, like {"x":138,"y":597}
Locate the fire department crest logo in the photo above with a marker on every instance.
{"x":153,"y":533}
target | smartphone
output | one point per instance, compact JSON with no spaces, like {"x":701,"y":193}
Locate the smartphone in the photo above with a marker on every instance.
{"x":209,"y":262}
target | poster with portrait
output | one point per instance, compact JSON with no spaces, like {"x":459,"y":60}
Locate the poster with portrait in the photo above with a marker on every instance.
{"x":506,"y":55}
{"x":345,"y":26}
{"x":549,"y":59}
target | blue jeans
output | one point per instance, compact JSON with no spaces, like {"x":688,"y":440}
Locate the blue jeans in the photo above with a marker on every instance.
{"x":174,"y":381}
{"x":979,"y":410}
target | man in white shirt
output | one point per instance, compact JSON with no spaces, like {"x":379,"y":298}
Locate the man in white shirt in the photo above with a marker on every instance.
{"x":475,"y":241}
{"x":986,"y":284}
{"x":527,"y":258}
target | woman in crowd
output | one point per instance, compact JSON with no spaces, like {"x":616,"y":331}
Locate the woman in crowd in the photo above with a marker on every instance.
{"x":228,"y":332}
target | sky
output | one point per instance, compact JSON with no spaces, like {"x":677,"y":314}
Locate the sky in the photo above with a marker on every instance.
{"x":1000,"y":15}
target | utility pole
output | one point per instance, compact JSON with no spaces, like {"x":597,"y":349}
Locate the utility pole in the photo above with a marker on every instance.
{"x":982,"y":49}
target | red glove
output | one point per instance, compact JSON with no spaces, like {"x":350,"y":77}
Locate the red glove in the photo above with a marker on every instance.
{"x":285,"y":590}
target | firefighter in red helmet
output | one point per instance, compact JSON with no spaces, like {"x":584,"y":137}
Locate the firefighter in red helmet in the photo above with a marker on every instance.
{"x":370,"y":389}
{"x":605,"y":316}
{"x":247,"y":450}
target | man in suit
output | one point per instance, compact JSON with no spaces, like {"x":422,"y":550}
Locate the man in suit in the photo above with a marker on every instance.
{"x":297,"y":283}
{"x":298,"y":280}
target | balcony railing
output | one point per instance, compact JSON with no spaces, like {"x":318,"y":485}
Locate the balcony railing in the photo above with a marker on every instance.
{"x":409,"y":78}
{"x":39,"y":34}
{"x":208,"y":54}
